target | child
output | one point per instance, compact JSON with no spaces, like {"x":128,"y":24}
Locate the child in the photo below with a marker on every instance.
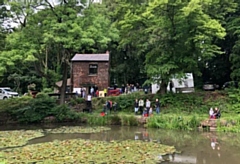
{"x":211,"y":113}
{"x":150,"y":111}
{"x":145,"y":112}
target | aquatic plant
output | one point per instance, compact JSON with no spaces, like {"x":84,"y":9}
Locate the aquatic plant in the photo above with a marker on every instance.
{"x":18,"y":137}
{"x":82,"y":151}
{"x":77,"y":129}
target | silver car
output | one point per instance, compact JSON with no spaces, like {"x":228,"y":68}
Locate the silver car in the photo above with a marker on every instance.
{"x":209,"y":86}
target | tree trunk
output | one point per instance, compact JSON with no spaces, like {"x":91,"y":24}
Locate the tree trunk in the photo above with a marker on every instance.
{"x":64,"y":83}
{"x":163,"y":87}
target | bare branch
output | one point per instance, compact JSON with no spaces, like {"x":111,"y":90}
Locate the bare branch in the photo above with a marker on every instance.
{"x":52,"y":8}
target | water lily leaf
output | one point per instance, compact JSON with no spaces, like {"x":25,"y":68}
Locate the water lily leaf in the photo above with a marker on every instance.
{"x":78,"y":129}
{"x":82,"y":151}
{"x":18,"y":137}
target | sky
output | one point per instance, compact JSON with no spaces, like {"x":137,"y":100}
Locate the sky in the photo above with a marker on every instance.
{"x":14,"y":22}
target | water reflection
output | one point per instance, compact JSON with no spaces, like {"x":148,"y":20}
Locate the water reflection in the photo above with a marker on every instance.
{"x":195,"y":147}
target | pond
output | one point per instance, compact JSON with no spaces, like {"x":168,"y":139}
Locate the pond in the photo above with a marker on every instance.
{"x":192,"y":147}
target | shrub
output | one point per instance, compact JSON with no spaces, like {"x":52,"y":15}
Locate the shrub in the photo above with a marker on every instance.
{"x":63,"y":112}
{"x":129,"y":120}
{"x":97,"y":120}
{"x":174,"y":122}
{"x":34,"y":110}
{"x":14,"y":103}
{"x":115,"y":120}
{"x":47,"y":90}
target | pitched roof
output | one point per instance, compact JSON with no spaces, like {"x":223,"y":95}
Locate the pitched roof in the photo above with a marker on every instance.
{"x":91,"y":57}
{"x":59,"y":83}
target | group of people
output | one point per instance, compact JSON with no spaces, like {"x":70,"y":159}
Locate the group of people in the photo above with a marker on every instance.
{"x":94,"y":91}
{"x":147,"y":109}
{"x":129,"y":88}
{"x":109,"y":106}
{"x":214,"y":113}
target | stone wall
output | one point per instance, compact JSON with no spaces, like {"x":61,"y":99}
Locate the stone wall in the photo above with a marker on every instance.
{"x":81,"y":77}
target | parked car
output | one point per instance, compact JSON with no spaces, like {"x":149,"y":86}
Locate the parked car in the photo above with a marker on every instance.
{"x":209,"y":86}
{"x":230,"y":84}
{"x":6,"y":93}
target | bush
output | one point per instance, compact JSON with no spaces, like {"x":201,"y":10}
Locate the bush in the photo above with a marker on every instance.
{"x":35,"y":110}
{"x":97,"y":120}
{"x":14,"y":103}
{"x":129,"y":120}
{"x":63,"y":112}
{"x":174,"y":122}
{"x":47,"y":90}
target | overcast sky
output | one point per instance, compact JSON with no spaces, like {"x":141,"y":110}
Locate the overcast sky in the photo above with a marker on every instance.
{"x":13,"y":22}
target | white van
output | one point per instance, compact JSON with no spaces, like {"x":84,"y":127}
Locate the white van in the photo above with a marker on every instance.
{"x":186,"y":83}
{"x":6,"y":93}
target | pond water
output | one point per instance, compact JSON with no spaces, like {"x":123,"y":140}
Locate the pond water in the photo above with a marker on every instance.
{"x":193,"y":147}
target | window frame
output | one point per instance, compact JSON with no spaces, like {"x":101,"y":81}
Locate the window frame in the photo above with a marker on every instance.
{"x":94,"y":70}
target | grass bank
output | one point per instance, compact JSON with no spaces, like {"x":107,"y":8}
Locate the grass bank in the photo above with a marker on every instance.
{"x":178,"y":111}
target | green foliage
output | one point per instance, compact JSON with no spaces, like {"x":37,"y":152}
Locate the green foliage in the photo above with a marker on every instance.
{"x":180,"y":122}
{"x":234,"y":101}
{"x":13,"y":104}
{"x":99,"y":120}
{"x":35,"y":110}
{"x":46,"y":40}
{"x":29,"y":110}
{"x":109,"y":119}
{"x":179,"y":35}
{"x":63,"y":113}
{"x":231,"y":124}
{"x":47,"y":90}
{"x":128,"y":120}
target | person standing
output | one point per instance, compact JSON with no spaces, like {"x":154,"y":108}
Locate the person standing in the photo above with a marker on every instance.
{"x":157,"y":105}
{"x":89,"y":102}
{"x":211,"y":113}
{"x":141,"y":105}
{"x":137,"y":87}
{"x":105,"y":92}
{"x":109,"y":106}
{"x":83,"y":92}
{"x":123,"y":89}
{"x":148,"y":106}
{"x":92,"y":91}
{"x":146,"y":90}
{"x":95,"y":90}
{"x":136,"y":106}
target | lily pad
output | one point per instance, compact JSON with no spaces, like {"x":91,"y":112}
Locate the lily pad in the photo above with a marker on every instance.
{"x":78,"y":129}
{"x":86,"y":151}
{"x":18,"y":137}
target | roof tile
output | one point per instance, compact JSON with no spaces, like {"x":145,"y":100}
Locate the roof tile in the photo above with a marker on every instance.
{"x":91,"y":57}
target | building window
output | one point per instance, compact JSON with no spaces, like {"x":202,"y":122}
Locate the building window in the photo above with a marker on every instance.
{"x":93,"y":69}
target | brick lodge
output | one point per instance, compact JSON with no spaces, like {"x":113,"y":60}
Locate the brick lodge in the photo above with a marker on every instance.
{"x":90,"y":70}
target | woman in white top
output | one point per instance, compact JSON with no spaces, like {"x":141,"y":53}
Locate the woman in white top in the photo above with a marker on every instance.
{"x":211,"y":113}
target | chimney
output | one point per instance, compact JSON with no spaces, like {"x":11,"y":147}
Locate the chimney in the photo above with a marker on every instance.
{"x":107,"y":52}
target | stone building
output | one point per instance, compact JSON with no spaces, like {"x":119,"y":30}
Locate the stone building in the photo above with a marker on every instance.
{"x":90,"y":70}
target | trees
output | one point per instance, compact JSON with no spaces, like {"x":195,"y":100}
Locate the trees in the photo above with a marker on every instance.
{"x":234,"y":44}
{"x":181,"y":35}
{"x":127,"y":63}
{"x":154,"y":39}
{"x":51,"y":37}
